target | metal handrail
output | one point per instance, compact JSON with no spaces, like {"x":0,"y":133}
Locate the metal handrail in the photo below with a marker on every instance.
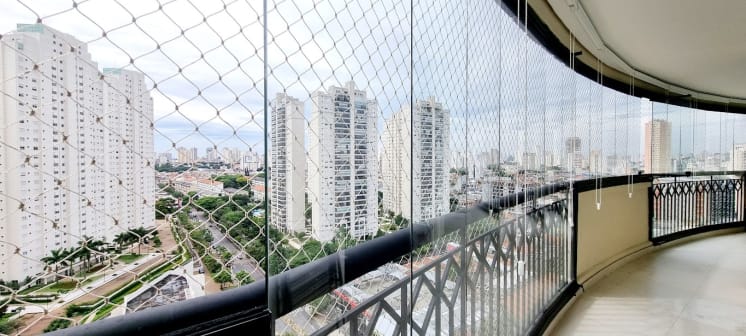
{"x":296,"y":287}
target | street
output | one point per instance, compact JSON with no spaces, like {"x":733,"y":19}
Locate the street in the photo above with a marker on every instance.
{"x":241,"y":261}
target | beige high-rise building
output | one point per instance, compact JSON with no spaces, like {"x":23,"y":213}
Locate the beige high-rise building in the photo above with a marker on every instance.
{"x":657,"y":146}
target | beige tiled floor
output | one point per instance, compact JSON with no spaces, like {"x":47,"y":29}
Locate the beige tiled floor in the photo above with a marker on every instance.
{"x":697,"y":288}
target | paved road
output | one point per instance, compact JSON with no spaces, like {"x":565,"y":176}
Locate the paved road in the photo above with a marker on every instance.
{"x":243,"y":262}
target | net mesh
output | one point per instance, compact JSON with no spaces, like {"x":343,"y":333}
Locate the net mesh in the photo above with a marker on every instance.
{"x":156,"y":151}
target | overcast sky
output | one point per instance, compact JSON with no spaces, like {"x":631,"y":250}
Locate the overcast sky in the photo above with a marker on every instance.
{"x":203,"y":62}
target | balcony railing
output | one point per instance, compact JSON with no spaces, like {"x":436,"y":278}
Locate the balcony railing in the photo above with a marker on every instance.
{"x":682,"y":205}
{"x":510,"y":261}
{"x":175,"y":177}
{"x":509,"y":266}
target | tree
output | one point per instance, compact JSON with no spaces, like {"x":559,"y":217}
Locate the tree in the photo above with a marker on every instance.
{"x":222,"y":278}
{"x":244,"y":278}
{"x":400,"y":221}
{"x":454,"y":204}
{"x":163,"y":207}
{"x":157,"y":241}
{"x":122,"y":239}
{"x":209,"y":203}
{"x":56,"y":257}
{"x":85,"y":248}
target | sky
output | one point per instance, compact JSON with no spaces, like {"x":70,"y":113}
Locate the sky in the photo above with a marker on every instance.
{"x":204,"y":65}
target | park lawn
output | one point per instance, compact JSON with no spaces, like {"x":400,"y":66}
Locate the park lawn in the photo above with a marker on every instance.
{"x":64,"y":285}
{"x":31,"y":289}
{"x":129,"y":258}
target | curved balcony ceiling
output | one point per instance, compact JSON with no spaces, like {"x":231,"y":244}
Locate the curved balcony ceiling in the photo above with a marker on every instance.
{"x":685,"y":46}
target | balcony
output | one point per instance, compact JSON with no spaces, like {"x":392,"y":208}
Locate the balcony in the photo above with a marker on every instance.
{"x":574,"y":172}
{"x":511,"y":265}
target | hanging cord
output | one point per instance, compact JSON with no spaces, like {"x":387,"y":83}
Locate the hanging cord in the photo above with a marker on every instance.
{"x":599,"y":160}
{"x":631,"y":176}
{"x":720,"y":143}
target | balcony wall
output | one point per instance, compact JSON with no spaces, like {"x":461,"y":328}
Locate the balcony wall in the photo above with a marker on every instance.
{"x":612,"y":223}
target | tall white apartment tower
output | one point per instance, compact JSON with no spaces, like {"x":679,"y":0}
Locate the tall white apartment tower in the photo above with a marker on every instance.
{"x":426,"y":172}
{"x":128,"y":118}
{"x":657,"y":146}
{"x":55,"y":187}
{"x":287,"y":178}
{"x":342,"y":178}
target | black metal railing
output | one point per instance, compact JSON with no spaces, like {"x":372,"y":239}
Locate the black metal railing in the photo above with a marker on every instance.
{"x":498,"y":282}
{"x":686,"y":205}
{"x":537,"y":243}
{"x":507,"y":266}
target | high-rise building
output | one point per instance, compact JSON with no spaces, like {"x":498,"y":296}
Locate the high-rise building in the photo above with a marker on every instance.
{"x":288,"y":164}
{"x":342,"y":178}
{"x":595,"y":162}
{"x":231,"y":155}
{"x":129,"y":146}
{"x":78,"y":160}
{"x":529,"y":162}
{"x":186,"y":155}
{"x":211,"y":154}
{"x":738,"y":157}
{"x":428,"y":178}
{"x":573,"y":157}
{"x":657,"y":146}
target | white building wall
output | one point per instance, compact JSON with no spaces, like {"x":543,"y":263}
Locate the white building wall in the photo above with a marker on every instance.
{"x":426,"y":171}
{"x":288,"y":164}
{"x":57,"y":151}
{"x":342,"y":164}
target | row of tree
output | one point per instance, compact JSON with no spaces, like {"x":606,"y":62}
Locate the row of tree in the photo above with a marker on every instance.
{"x":90,"y":248}
{"x":66,"y":257}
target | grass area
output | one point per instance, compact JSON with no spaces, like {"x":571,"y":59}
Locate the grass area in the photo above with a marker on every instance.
{"x":31,"y":289}
{"x":7,"y":326}
{"x":61,"y":286}
{"x":92,"y":270}
{"x":57,"y":324}
{"x":129,"y":258}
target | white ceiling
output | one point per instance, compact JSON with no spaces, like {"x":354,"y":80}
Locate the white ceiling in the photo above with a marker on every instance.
{"x":688,"y":46}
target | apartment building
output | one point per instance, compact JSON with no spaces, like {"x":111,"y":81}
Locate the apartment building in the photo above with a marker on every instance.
{"x":77,"y":151}
{"x":342,"y":162}
{"x":288,"y":164}
{"x":426,"y":184}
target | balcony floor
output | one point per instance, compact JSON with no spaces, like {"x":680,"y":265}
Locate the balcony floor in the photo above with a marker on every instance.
{"x":697,"y":288}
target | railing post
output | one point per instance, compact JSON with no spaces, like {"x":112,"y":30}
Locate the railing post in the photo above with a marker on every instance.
{"x":742,"y":213}
{"x":651,"y":212}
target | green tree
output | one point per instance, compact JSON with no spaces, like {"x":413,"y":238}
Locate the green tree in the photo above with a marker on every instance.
{"x":222,"y":278}
{"x":157,"y":241}
{"x":163,"y":207}
{"x":244,"y":278}
{"x":209,"y":203}
{"x":56,"y":257}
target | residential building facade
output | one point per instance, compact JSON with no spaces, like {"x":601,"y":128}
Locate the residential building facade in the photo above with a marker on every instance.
{"x":426,"y":185}
{"x":342,"y":162}
{"x":77,"y":161}
{"x":288,"y":164}
{"x":657,"y":146}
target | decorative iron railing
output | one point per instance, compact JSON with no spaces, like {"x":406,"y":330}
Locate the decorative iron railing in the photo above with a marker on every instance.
{"x":498,"y":282}
{"x":684,"y":205}
{"x":506,"y":262}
